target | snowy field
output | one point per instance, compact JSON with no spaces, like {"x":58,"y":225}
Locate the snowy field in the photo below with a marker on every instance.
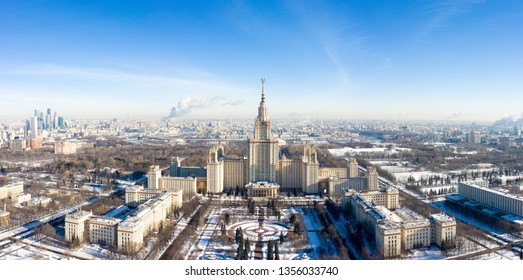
{"x":355,"y":151}
{"x":20,"y":251}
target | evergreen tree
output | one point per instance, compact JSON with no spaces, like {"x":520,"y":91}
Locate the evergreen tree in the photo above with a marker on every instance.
{"x":227,"y":218}
{"x":270,"y":253}
{"x":276,"y":251}
{"x":293,"y":218}
{"x":297,"y":229}
{"x":239,"y":252}
{"x":247,"y":249}
{"x":241,"y":234}
{"x":224,"y":229}
{"x":238,"y":235}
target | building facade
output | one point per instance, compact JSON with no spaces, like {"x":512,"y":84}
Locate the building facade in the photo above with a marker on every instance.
{"x":102,"y":230}
{"x":263,"y":189}
{"x":443,"y":230}
{"x":11,"y":190}
{"x":155,"y":181}
{"x":263,"y":148}
{"x":140,"y":195}
{"x":75,"y":225}
{"x":401,"y":229}
{"x":491,"y":197}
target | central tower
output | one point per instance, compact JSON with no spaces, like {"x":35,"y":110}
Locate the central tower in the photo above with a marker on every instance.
{"x":263,"y":148}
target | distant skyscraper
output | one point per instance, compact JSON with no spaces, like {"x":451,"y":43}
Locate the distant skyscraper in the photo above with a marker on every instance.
{"x":55,"y":121}
{"x":27,"y":127}
{"x":263,"y":148}
{"x":34,"y":126}
{"x":48,"y":119}
{"x":61,"y":123}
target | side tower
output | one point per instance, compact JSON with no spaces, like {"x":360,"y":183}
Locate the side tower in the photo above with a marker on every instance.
{"x":353,"y":168}
{"x":372,"y":178}
{"x":153,"y":177}
{"x":310,"y":169}
{"x":215,"y":169}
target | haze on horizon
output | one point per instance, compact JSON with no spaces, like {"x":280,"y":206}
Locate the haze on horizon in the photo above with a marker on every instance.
{"x":421,"y":60}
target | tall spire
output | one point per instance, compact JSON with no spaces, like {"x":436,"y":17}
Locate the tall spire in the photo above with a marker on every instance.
{"x":263,"y":89}
{"x":263,"y":114}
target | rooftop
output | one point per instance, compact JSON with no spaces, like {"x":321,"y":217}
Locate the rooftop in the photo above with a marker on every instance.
{"x":79,"y":214}
{"x":442,"y":217}
{"x":495,"y":191}
{"x":105,"y":220}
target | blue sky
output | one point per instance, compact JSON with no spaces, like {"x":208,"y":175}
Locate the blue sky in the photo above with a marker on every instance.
{"x":426,"y":60}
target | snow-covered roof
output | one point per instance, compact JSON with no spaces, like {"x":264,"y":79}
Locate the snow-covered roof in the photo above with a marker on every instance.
{"x":78,"y":215}
{"x":104,"y":220}
{"x":442,"y":217}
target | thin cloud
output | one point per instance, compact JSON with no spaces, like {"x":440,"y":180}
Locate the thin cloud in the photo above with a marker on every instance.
{"x":443,"y":12}
{"x":207,"y":84}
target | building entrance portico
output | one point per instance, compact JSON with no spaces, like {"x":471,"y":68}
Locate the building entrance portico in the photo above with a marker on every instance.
{"x":263,"y":189}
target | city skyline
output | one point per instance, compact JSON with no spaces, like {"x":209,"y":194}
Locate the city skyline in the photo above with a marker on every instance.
{"x":455,"y":60}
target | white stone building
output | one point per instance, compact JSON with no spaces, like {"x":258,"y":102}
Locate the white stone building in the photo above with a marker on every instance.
{"x":443,"y":229}
{"x":402,"y":229}
{"x":12,"y":189}
{"x":504,"y":201}
{"x":102,"y":230}
{"x":75,"y":225}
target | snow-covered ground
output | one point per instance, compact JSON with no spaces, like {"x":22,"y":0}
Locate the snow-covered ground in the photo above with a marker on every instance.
{"x":342,"y":151}
{"x":20,"y":251}
{"x":210,"y":243}
{"x":431,"y":253}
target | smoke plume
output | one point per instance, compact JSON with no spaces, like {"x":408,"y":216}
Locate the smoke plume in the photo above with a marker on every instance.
{"x":190,"y":104}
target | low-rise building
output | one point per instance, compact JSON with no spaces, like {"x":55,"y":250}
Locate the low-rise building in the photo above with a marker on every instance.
{"x":4,"y":216}
{"x":34,"y":143}
{"x":39,"y":201}
{"x":65,"y":148}
{"x":263,"y":189}
{"x":18,"y":144}
{"x":504,"y":201}
{"x":12,"y":189}
{"x":20,"y":198}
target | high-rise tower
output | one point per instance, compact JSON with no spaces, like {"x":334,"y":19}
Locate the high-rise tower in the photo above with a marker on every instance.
{"x":263,"y":148}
